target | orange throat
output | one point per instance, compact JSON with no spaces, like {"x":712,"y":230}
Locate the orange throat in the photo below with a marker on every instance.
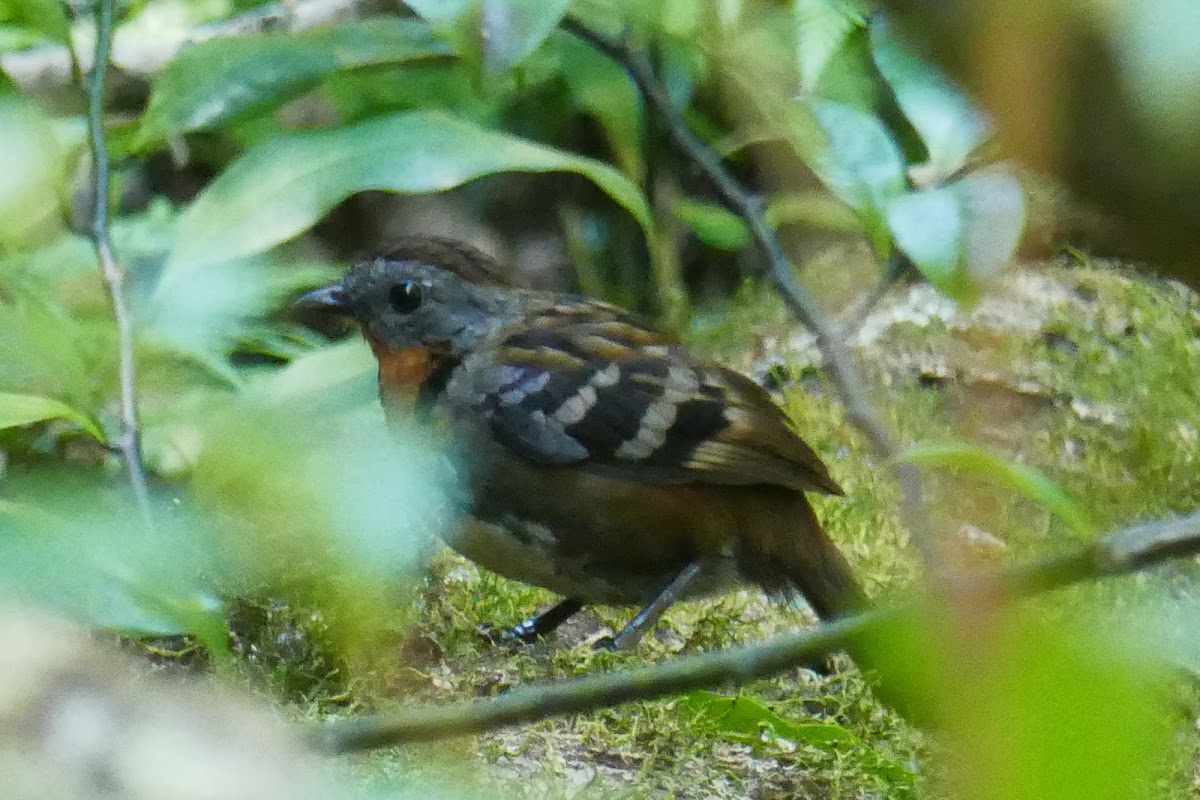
{"x":401,"y":372}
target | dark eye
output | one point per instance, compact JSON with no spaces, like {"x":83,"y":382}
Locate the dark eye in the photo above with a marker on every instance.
{"x":405,"y":297}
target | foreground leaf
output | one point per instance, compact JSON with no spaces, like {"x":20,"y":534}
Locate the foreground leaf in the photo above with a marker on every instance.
{"x":281,"y":187}
{"x":25,"y":409}
{"x":960,"y":235}
{"x":69,"y":546}
{"x":857,"y":159}
{"x":949,"y":125}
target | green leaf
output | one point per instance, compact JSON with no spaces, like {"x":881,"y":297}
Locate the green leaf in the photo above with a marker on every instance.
{"x":963,"y":233}
{"x":950,"y":126}
{"x":499,"y":33}
{"x":815,"y":208}
{"x":44,"y":16}
{"x":70,"y":546}
{"x":821,"y":29}
{"x":714,"y":224}
{"x":32,"y":166}
{"x":1027,"y":710}
{"x":512,"y":29}
{"x":1026,"y":480}
{"x":25,"y":409}
{"x":281,"y":187}
{"x":602,"y":89}
{"x":218,"y":81}
{"x":747,"y":720}
{"x":856,"y":158}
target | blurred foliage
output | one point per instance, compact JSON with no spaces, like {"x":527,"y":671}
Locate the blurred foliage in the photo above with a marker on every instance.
{"x":291,"y":530}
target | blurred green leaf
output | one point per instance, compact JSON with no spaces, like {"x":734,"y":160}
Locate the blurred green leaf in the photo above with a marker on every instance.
{"x":857,"y":160}
{"x":321,"y":506}
{"x":1026,"y":480}
{"x":714,"y":224}
{"x":1044,"y":713}
{"x":963,"y":233}
{"x":24,"y":409}
{"x":283,"y":186}
{"x":950,"y":126}
{"x":816,"y":209}
{"x":31,"y":163}
{"x":41,"y":353}
{"x":512,"y":29}
{"x":221,"y":80}
{"x":1028,"y":710}
{"x":500,"y":33}
{"x":44,"y":16}
{"x":16,"y":37}
{"x":821,"y":30}
{"x":74,"y":547}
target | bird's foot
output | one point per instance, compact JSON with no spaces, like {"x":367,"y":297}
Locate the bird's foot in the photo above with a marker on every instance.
{"x":515,"y":636}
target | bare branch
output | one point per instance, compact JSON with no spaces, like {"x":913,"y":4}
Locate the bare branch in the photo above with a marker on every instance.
{"x":839,"y":362}
{"x":128,"y":442}
{"x":1118,"y":553}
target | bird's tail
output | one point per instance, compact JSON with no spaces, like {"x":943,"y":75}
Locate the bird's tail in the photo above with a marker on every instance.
{"x":783,"y":547}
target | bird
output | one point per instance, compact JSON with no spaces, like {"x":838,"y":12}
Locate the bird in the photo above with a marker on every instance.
{"x":607,"y":462}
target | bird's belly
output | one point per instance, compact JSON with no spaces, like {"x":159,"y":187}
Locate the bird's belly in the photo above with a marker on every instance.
{"x":529,"y":552}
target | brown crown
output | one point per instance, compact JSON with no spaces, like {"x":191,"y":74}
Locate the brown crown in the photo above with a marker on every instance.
{"x":464,"y":260}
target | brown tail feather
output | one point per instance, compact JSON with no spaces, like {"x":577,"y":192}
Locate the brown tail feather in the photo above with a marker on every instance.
{"x":783,"y":547}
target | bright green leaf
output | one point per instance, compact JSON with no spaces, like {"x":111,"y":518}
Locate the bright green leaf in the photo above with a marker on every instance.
{"x":950,"y":126}
{"x":1026,"y":480}
{"x":1052,"y":712}
{"x":281,"y":187}
{"x":714,"y":224}
{"x":215,"y":82}
{"x":747,"y":716}
{"x":25,"y":409}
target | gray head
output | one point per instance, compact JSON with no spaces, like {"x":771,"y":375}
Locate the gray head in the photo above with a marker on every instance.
{"x":423,"y":291}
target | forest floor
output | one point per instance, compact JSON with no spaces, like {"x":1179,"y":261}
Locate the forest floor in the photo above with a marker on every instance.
{"x":1075,"y":368}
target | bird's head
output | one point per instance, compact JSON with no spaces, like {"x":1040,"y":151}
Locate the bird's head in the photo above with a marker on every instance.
{"x":431,"y":294}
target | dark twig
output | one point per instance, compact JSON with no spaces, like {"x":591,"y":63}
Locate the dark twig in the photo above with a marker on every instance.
{"x":838,"y":359}
{"x":1118,"y":553}
{"x":128,"y":440}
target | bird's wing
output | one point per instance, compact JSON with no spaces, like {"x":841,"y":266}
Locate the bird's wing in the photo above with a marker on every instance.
{"x":582,"y":383}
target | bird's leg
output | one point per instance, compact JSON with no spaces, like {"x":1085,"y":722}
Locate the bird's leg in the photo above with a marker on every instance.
{"x":537,"y":626}
{"x":645,"y":619}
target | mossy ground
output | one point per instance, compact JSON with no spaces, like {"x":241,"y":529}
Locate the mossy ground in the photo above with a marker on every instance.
{"x":1078,"y":369}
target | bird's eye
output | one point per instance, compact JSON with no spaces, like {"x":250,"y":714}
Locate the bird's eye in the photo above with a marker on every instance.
{"x":405,"y":297}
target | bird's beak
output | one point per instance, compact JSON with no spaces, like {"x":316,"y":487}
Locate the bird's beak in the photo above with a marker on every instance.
{"x":331,"y":299}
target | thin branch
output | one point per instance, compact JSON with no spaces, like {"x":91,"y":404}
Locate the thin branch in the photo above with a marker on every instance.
{"x":128,"y":440}
{"x":838,"y":359}
{"x":1118,"y":553}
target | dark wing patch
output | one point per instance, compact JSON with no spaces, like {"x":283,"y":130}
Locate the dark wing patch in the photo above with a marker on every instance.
{"x":584,"y":385}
